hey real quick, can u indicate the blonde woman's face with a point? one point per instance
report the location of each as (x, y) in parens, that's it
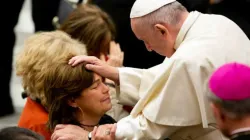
(95, 99)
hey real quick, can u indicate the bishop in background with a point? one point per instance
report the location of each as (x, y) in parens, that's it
(230, 100)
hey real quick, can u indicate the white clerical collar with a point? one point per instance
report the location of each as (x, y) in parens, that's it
(192, 17)
(240, 130)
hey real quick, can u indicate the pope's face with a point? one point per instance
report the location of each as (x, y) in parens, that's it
(154, 39)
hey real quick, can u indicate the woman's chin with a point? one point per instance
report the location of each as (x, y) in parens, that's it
(108, 107)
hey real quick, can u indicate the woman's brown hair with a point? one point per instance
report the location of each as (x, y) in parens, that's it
(91, 26)
(47, 76)
(66, 83)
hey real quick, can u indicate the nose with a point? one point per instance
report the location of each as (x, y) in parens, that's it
(105, 88)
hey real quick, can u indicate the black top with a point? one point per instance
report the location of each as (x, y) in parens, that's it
(241, 136)
(236, 11)
(106, 119)
(195, 5)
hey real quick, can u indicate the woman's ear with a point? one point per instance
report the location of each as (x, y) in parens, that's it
(72, 103)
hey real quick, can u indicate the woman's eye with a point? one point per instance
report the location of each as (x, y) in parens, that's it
(95, 86)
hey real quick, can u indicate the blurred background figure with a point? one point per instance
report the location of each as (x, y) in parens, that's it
(94, 28)
(135, 53)
(198, 5)
(17, 133)
(238, 11)
(43, 12)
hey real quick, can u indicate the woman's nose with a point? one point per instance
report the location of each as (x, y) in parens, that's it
(105, 88)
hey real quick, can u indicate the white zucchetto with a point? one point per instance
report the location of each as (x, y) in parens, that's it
(144, 7)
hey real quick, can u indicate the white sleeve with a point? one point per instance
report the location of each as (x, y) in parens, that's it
(128, 90)
(130, 84)
(140, 128)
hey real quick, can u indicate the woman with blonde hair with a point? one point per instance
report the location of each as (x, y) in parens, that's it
(57, 92)
(93, 27)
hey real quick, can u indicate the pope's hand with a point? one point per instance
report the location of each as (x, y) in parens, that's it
(96, 65)
(104, 132)
(69, 132)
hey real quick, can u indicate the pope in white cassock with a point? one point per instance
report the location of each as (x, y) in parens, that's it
(169, 99)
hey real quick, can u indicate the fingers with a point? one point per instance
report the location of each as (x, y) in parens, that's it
(73, 59)
(59, 131)
(55, 136)
(102, 57)
(114, 48)
(63, 138)
(99, 133)
(82, 58)
(118, 47)
(116, 55)
(59, 126)
(113, 130)
(117, 60)
(92, 67)
(122, 57)
(93, 133)
(78, 61)
(66, 137)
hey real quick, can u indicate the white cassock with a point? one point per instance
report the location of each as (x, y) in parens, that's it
(170, 99)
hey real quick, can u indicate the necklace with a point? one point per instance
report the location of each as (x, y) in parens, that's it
(84, 125)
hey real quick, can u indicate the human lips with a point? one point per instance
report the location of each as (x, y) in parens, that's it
(106, 99)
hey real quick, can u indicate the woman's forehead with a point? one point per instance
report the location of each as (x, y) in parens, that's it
(97, 77)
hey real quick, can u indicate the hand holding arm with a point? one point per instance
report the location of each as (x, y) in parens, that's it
(104, 132)
(69, 132)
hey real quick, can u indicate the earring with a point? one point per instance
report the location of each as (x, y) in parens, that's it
(80, 110)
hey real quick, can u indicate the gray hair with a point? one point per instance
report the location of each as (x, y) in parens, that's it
(232, 109)
(170, 14)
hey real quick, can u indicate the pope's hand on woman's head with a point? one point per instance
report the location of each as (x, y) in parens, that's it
(96, 65)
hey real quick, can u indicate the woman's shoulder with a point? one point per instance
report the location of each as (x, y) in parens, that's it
(106, 119)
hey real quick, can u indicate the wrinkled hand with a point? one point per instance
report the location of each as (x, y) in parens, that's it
(69, 132)
(104, 132)
(96, 65)
(116, 56)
